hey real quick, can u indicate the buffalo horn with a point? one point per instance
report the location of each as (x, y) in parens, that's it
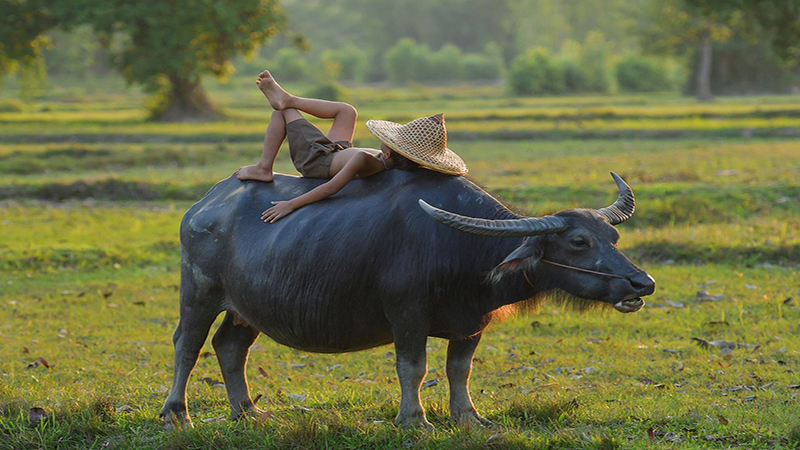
(623, 208)
(528, 226)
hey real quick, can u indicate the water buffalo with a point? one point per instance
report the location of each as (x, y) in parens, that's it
(369, 267)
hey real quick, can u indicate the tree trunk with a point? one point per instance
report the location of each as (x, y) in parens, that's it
(186, 101)
(704, 71)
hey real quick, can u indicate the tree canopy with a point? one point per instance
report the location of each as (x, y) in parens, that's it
(779, 18)
(164, 46)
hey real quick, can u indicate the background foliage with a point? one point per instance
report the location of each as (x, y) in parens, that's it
(751, 45)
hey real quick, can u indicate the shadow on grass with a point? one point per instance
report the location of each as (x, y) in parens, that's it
(537, 413)
(662, 251)
(77, 157)
(109, 189)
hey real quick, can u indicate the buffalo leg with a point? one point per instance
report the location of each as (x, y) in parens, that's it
(459, 366)
(198, 312)
(412, 365)
(232, 344)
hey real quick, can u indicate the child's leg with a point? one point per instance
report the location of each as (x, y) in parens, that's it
(344, 115)
(262, 170)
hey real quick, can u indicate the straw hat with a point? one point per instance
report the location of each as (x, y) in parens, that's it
(423, 141)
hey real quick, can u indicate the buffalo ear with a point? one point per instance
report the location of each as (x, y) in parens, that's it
(530, 248)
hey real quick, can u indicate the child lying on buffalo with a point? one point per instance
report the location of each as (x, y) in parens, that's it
(420, 143)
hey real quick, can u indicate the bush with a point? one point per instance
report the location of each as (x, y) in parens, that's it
(408, 61)
(481, 67)
(535, 73)
(328, 91)
(443, 65)
(595, 60)
(290, 65)
(352, 62)
(576, 78)
(405, 61)
(640, 74)
(10, 105)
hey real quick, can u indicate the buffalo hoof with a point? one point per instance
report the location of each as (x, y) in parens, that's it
(413, 422)
(175, 419)
(470, 419)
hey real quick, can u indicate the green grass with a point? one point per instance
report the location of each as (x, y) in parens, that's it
(89, 272)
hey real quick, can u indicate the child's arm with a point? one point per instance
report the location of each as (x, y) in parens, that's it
(334, 185)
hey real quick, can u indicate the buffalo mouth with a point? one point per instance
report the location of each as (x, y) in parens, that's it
(629, 306)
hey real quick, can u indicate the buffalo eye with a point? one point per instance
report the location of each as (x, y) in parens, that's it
(581, 243)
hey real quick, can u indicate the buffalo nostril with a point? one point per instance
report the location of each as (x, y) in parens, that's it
(644, 284)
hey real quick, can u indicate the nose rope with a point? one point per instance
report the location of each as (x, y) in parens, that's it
(580, 269)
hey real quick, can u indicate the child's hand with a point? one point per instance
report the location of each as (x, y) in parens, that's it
(274, 213)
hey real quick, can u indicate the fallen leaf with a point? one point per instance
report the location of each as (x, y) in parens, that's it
(262, 372)
(787, 301)
(45, 363)
(25, 350)
(430, 383)
(794, 386)
(258, 397)
(651, 434)
(749, 398)
(298, 397)
(206, 355)
(722, 419)
(124, 409)
(675, 304)
(265, 416)
(213, 419)
(671, 351)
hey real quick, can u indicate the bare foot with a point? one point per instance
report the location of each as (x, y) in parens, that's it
(254, 172)
(278, 98)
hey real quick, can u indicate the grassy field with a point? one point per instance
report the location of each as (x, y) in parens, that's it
(91, 196)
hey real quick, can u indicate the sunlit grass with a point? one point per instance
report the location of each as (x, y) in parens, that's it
(90, 283)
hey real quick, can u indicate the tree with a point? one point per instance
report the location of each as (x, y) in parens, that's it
(166, 46)
(21, 45)
(780, 17)
(673, 27)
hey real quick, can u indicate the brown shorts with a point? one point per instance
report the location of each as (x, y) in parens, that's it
(311, 151)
